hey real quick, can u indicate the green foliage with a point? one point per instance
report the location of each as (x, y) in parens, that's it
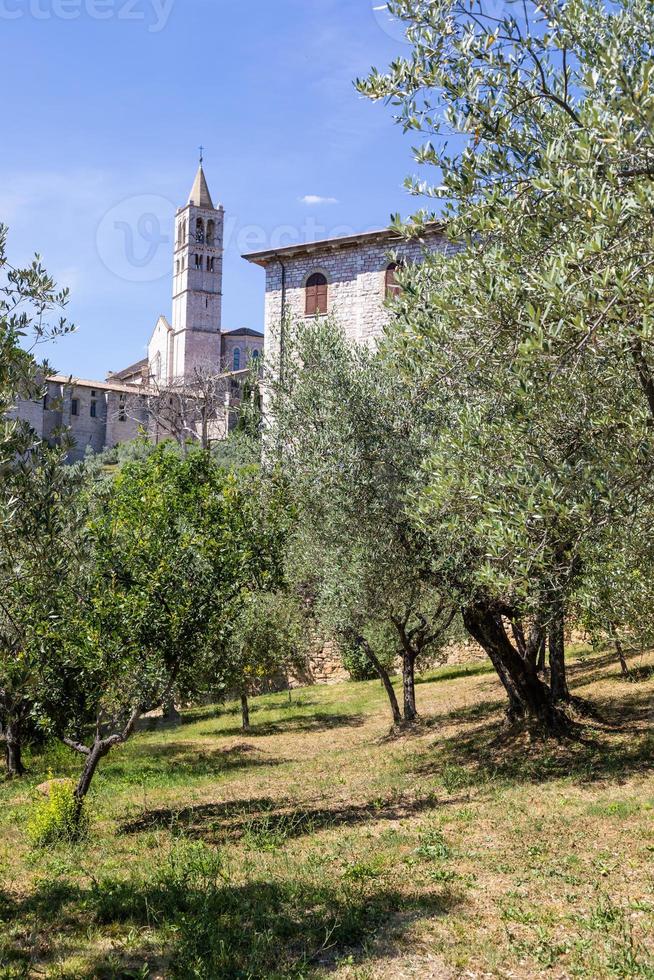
(531, 345)
(59, 819)
(352, 453)
(357, 663)
(268, 639)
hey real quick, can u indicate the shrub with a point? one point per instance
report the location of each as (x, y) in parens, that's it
(58, 819)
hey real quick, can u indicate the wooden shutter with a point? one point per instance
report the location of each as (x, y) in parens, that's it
(316, 300)
(393, 288)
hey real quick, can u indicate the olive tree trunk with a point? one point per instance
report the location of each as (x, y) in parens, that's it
(102, 746)
(558, 677)
(530, 700)
(384, 677)
(13, 748)
(409, 687)
(245, 711)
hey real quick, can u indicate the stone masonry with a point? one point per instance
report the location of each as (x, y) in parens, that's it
(355, 268)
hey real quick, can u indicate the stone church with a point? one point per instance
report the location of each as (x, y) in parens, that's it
(350, 278)
(192, 345)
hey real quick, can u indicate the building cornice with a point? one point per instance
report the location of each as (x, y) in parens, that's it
(386, 236)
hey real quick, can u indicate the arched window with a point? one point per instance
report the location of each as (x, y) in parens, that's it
(211, 231)
(177, 266)
(393, 287)
(255, 355)
(183, 231)
(198, 261)
(316, 298)
(199, 231)
(237, 359)
(211, 264)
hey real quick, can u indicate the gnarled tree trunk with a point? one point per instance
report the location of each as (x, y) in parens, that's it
(385, 679)
(101, 747)
(529, 698)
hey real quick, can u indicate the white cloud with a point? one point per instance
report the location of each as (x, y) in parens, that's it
(317, 199)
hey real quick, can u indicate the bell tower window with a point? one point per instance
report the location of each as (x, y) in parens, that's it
(211, 231)
(199, 231)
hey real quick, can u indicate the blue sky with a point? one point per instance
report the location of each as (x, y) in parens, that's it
(112, 99)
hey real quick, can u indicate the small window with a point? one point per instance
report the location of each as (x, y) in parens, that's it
(211, 231)
(316, 299)
(46, 402)
(177, 266)
(74, 406)
(198, 261)
(211, 264)
(94, 409)
(255, 355)
(237, 359)
(122, 414)
(199, 231)
(393, 287)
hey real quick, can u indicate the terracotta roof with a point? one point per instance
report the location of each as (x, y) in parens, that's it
(67, 379)
(382, 235)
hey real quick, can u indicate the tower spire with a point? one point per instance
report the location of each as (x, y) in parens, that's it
(200, 195)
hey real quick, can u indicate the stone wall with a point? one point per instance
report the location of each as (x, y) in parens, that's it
(356, 276)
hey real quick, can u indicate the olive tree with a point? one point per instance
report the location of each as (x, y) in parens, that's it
(533, 339)
(352, 445)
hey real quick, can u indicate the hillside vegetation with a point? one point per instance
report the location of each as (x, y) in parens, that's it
(316, 845)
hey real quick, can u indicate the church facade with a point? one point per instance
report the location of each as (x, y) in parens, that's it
(189, 348)
(349, 278)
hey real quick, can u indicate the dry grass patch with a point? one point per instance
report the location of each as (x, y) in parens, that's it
(314, 846)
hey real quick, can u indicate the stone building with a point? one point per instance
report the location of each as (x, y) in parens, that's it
(350, 278)
(192, 345)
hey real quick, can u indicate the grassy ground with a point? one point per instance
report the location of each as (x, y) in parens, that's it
(317, 847)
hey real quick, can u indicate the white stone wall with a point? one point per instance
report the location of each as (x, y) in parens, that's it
(160, 352)
(356, 276)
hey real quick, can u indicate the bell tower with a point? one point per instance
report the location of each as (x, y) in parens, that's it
(197, 283)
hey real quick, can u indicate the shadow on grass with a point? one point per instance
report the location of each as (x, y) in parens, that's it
(179, 759)
(491, 757)
(456, 672)
(265, 824)
(316, 722)
(214, 927)
(211, 712)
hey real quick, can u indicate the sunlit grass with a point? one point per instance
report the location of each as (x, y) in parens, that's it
(315, 845)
